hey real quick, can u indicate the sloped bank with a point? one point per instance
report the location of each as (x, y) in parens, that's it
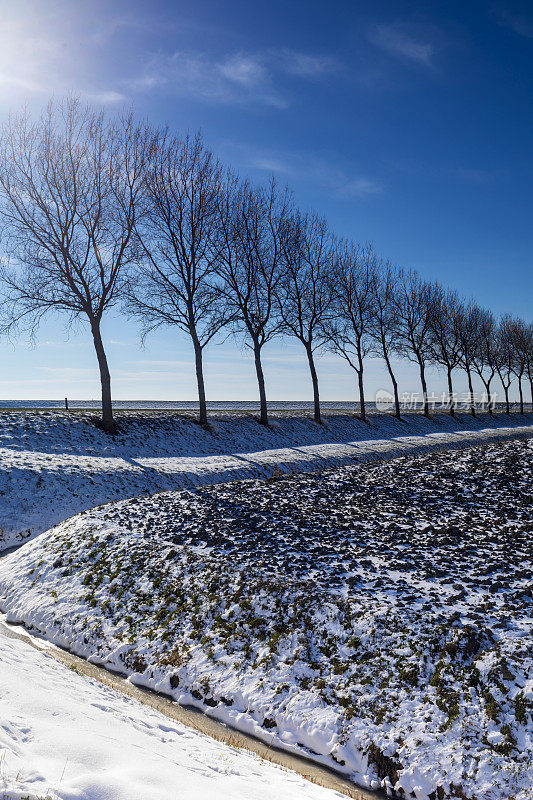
(376, 618)
(54, 465)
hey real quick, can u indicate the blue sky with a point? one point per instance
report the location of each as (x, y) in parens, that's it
(407, 124)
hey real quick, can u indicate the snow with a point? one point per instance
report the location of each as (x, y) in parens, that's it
(54, 465)
(66, 737)
(375, 617)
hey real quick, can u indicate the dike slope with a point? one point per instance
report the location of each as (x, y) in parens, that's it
(56, 464)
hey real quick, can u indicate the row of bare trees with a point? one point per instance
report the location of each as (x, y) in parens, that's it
(98, 212)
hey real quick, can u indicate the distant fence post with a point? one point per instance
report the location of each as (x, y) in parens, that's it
(66, 403)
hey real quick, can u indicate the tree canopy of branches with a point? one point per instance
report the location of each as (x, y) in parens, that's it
(505, 357)
(177, 233)
(69, 186)
(252, 220)
(383, 325)
(414, 308)
(303, 295)
(528, 341)
(519, 343)
(349, 327)
(468, 328)
(485, 353)
(445, 336)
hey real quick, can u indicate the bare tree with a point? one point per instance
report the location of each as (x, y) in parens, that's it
(445, 335)
(69, 186)
(519, 340)
(505, 357)
(468, 317)
(383, 327)
(251, 221)
(349, 328)
(177, 234)
(413, 308)
(303, 295)
(529, 359)
(484, 355)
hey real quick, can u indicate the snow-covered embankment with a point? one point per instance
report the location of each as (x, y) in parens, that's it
(54, 465)
(376, 617)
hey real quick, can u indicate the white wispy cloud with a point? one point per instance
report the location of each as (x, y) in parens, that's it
(515, 22)
(105, 97)
(54, 51)
(236, 78)
(358, 187)
(243, 70)
(38, 55)
(271, 164)
(304, 65)
(103, 28)
(338, 179)
(398, 40)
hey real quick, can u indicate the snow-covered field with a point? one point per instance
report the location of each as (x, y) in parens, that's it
(376, 617)
(54, 465)
(67, 737)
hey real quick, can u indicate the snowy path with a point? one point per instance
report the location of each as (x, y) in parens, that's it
(65, 736)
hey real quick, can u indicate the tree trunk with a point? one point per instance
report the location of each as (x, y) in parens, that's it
(397, 413)
(506, 391)
(263, 415)
(471, 391)
(521, 394)
(531, 389)
(198, 362)
(362, 406)
(314, 379)
(450, 393)
(105, 378)
(424, 387)
(490, 405)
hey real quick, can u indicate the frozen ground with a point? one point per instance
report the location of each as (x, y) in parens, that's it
(375, 617)
(65, 737)
(54, 465)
